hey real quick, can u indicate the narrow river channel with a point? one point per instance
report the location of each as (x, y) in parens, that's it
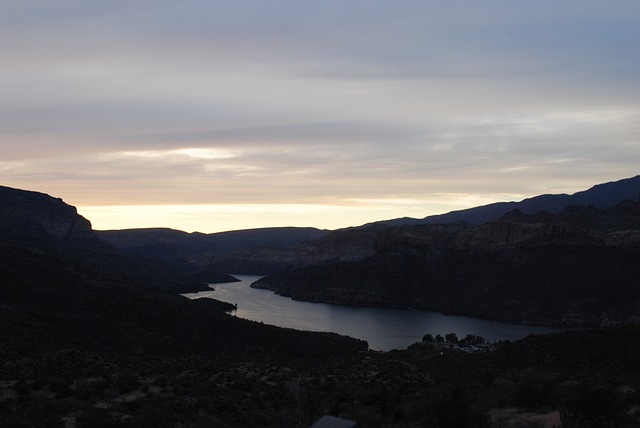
(383, 328)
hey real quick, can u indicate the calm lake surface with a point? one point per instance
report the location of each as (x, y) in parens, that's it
(383, 328)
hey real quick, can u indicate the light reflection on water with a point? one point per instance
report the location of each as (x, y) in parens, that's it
(383, 328)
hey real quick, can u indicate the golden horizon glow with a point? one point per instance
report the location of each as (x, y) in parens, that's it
(212, 218)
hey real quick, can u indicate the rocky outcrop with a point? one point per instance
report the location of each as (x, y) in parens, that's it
(39, 214)
(347, 245)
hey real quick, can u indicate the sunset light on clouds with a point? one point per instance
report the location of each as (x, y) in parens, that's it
(217, 115)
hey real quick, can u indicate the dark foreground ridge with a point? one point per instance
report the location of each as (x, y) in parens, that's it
(92, 337)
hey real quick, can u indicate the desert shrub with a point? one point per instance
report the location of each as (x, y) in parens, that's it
(38, 383)
(152, 414)
(534, 391)
(90, 389)
(67, 405)
(594, 405)
(419, 411)
(454, 406)
(366, 416)
(21, 387)
(59, 386)
(127, 381)
(97, 418)
(16, 421)
(161, 381)
(451, 338)
(131, 406)
(43, 413)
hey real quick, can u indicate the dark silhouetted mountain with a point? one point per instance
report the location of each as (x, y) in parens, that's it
(248, 252)
(243, 251)
(578, 267)
(282, 237)
(601, 196)
(63, 288)
(273, 250)
(358, 243)
(341, 245)
(36, 220)
(32, 215)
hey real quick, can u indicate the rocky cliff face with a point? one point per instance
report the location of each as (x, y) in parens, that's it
(38, 213)
(580, 267)
(350, 245)
(254, 261)
(45, 231)
(347, 245)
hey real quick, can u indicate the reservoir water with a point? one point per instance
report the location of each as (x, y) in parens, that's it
(383, 328)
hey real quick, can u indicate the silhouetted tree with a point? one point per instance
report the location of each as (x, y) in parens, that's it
(451, 338)
(472, 339)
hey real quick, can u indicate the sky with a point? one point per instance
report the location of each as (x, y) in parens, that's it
(224, 115)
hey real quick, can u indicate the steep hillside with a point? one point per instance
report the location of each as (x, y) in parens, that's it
(33, 215)
(63, 288)
(579, 267)
(337, 246)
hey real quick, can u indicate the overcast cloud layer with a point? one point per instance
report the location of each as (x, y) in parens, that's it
(234, 114)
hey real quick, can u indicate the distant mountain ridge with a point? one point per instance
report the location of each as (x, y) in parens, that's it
(357, 243)
(601, 196)
(283, 237)
(272, 250)
(178, 248)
